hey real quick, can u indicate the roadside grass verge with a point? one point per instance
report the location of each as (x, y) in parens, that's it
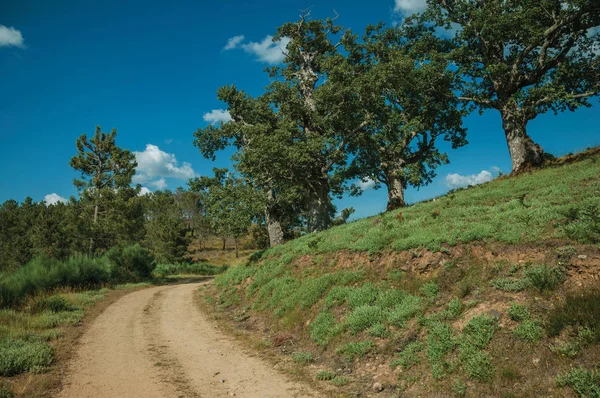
(456, 293)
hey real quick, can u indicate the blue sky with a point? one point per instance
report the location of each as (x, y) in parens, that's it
(151, 70)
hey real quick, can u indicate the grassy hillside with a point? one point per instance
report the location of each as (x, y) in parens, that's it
(487, 291)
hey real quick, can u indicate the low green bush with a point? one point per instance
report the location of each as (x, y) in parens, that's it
(409, 356)
(163, 270)
(325, 375)
(586, 383)
(529, 331)
(44, 274)
(355, 349)
(53, 303)
(518, 312)
(324, 328)
(302, 357)
(130, 263)
(18, 356)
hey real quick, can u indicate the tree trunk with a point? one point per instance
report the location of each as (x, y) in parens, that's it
(319, 218)
(224, 241)
(395, 193)
(524, 153)
(92, 242)
(235, 242)
(273, 219)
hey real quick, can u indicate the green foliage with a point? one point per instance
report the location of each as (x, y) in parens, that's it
(409, 307)
(440, 342)
(430, 290)
(5, 392)
(363, 317)
(302, 357)
(545, 278)
(325, 375)
(529, 330)
(459, 388)
(340, 381)
(379, 330)
(581, 310)
(43, 274)
(17, 356)
(476, 337)
(355, 349)
(586, 383)
(509, 284)
(163, 270)
(324, 328)
(409, 356)
(131, 263)
(518, 312)
(109, 210)
(53, 303)
(583, 224)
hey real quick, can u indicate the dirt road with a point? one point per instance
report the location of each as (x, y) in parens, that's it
(156, 343)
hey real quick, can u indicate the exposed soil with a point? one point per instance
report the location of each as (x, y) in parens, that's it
(156, 343)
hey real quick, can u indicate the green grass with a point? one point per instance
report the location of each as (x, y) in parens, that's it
(340, 381)
(324, 328)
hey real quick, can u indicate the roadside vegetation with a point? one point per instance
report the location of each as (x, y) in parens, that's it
(483, 290)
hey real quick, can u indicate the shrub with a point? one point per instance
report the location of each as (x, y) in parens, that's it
(544, 277)
(529, 330)
(340, 381)
(53, 303)
(440, 341)
(379, 330)
(355, 349)
(518, 312)
(162, 270)
(510, 284)
(302, 357)
(409, 356)
(43, 274)
(130, 263)
(363, 317)
(430, 290)
(324, 328)
(18, 356)
(325, 375)
(402, 312)
(586, 383)
(578, 310)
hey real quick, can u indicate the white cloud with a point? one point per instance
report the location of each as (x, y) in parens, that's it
(144, 191)
(217, 115)
(366, 184)
(154, 163)
(409, 7)
(268, 51)
(233, 42)
(10, 37)
(459, 181)
(158, 184)
(53, 198)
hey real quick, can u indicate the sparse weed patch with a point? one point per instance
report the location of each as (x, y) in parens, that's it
(581, 310)
(340, 381)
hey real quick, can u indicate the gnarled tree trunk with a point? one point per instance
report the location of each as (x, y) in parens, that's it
(524, 153)
(273, 219)
(319, 207)
(395, 193)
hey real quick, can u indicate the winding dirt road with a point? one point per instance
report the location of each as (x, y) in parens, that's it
(156, 343)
